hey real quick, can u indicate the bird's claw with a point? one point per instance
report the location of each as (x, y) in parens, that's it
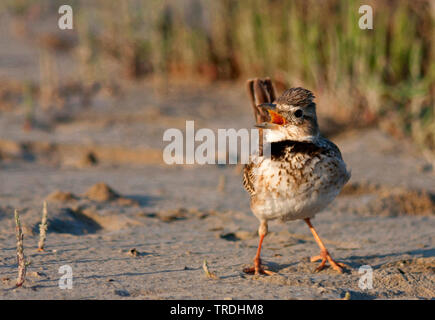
(325, 256)
(258, 269)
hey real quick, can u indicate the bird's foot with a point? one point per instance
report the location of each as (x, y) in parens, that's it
(258, 269)
(325, 256)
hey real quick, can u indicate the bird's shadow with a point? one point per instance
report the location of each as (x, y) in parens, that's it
(355, 262)
(277, 267)
(351, 262)
(425, 253)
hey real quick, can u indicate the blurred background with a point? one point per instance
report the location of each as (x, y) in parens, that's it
(383, 77)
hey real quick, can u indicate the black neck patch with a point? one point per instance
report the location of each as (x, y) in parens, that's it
(279, 149)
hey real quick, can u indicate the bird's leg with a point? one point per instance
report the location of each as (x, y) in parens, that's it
(324, 254)
(258, 268)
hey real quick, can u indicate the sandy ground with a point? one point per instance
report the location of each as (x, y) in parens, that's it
(177, 216)
(149, 239)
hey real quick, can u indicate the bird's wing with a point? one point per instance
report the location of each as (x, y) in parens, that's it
(248, 178)
(331, 146)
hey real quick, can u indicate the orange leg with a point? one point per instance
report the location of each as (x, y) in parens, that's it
(324, 254)
(257, 268)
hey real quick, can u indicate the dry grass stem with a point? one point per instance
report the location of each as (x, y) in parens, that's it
(20, 251)
(43, 228)
(208, 273)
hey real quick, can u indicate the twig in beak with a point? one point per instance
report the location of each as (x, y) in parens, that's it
(267, 125)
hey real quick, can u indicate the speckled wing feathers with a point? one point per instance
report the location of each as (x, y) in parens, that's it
(248, 178)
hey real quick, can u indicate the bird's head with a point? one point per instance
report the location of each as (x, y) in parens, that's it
(291, 117)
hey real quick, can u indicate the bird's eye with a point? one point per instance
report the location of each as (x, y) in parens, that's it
(298, 113)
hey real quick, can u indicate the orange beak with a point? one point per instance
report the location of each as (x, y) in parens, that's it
(276, 118)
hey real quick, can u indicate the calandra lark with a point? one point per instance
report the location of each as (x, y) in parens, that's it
(304, 172)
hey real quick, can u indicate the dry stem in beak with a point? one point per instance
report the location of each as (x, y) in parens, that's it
(267, 106)
(267, 125)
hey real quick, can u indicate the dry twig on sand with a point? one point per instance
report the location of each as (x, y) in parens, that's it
(43, 228)
(20, 251)
(210, 275)
(346, 296)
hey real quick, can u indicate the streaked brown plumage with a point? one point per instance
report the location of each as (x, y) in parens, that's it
(303, 174)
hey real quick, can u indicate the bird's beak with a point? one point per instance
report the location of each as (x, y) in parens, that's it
(275, 119)
(267, 125)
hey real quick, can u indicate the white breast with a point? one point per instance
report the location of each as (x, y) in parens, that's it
(294, 190)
